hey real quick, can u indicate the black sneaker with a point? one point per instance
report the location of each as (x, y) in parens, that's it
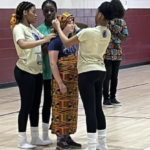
(115, 102)
(73, 144)
(107, 103)
(62, 145)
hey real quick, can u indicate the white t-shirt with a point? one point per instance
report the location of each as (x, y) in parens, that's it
(92, 47)
(30, 60)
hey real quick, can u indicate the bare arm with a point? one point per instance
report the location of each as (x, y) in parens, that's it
(53, 55)
(31, 44)
(67, 42)
(26, 44)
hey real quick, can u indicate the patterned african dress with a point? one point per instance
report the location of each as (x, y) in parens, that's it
(65, 106)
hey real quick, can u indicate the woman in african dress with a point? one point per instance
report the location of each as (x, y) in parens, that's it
(63, 62)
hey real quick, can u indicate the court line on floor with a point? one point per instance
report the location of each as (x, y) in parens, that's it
(133, 86)
(84, 115)
(123, 117)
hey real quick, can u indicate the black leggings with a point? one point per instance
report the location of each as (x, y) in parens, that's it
(112, 69)
(47, 101)
(90, 86)
(30, 88)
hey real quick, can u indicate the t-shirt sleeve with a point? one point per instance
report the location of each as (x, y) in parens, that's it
(83, 35)
(55, 45)
(124, 28)
(18, 34)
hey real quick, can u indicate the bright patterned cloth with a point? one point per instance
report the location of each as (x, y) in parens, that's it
(65, 106)
(114, 50)
(64, 19)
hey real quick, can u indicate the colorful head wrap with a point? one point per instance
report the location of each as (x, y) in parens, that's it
(64, 19)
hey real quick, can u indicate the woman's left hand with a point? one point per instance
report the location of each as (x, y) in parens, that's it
(56, 24)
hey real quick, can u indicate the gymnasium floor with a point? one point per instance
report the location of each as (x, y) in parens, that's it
(128, 126)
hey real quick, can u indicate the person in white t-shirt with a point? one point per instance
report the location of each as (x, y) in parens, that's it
(28, 71)
(93, 43)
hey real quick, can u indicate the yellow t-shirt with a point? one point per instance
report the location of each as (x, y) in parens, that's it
(92, 47)
(30, 60)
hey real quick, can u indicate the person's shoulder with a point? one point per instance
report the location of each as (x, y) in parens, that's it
(41, 26)
(88, 29)
(56, 41)
(55, 44)
(19, 25)
(18, 28)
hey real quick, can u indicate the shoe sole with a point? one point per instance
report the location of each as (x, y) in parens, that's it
(74, 147)
(59, 148)
(117, 104)
(108, 106)
(26, 148)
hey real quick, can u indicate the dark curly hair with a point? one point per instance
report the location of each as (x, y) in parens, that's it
(112, 10)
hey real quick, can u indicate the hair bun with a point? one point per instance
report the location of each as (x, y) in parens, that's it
(13, 15)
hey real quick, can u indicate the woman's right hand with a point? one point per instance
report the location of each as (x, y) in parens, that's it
(49, 37)
(63, 88)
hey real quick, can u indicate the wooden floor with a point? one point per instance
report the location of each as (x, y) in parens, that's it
(128, 127)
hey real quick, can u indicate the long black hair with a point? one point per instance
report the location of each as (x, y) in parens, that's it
(112, 10)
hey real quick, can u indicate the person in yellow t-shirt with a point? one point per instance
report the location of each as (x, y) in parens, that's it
(93, 43)
(28, 70)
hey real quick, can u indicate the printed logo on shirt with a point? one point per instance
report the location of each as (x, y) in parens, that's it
(36, 37)
(104, 34)
(38, 50)
(69, 50)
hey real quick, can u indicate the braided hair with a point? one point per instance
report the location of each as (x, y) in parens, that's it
(18, 15)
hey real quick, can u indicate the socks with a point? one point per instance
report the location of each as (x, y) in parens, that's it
(59, 137)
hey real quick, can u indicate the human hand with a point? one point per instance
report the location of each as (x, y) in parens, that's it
(63, 88)
(49, 37)
(56, 24)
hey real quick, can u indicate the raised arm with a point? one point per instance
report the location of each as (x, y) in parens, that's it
(31, 44)
(67, 42)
